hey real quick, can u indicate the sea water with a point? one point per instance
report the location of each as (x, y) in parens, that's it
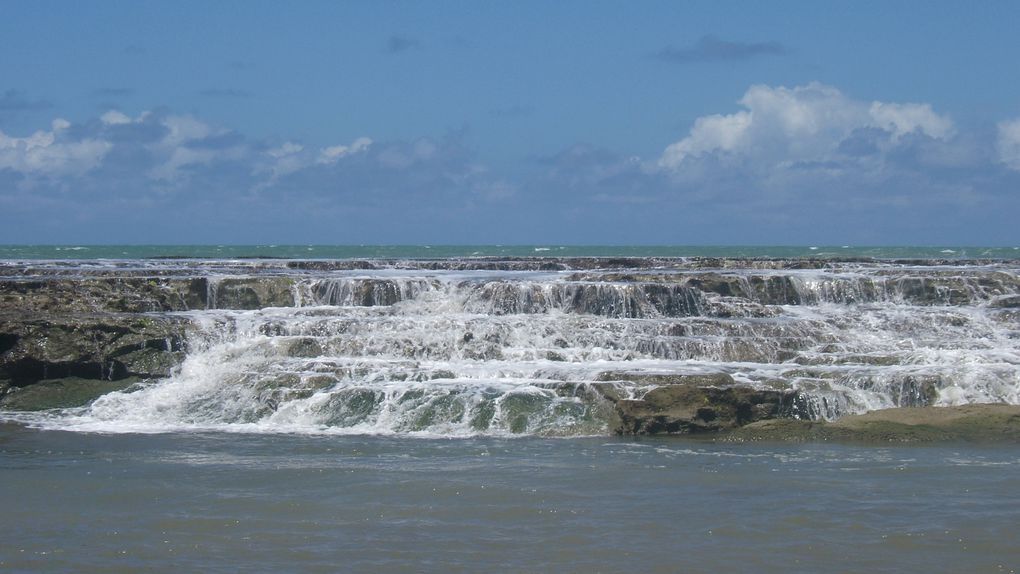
(213, 502)
(86, 252)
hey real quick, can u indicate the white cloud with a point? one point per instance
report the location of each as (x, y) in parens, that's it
(286, 150)
(291, 157)
(803, 123)
(331, 154)
(902, 119)
(49, 153)
(1007, 144)
(403, 157)
(183, 129)
(709, 134)
(176, 150)
(115, 118)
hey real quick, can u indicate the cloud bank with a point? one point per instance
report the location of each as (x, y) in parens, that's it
(794, 164)
(805, 123)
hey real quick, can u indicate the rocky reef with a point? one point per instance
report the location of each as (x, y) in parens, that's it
(744, 349)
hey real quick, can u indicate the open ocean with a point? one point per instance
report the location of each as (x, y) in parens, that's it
(442, 251)
(442, 409)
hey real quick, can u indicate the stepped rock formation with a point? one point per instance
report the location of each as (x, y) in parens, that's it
(504, 346)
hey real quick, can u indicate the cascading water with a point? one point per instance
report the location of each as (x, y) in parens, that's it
(450, 348)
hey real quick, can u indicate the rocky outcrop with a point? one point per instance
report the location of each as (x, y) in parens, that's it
(250, 293)
(70, 331)
(117, 294)
(692, 404)
(64, 295)
(95, 347)
(65, 340)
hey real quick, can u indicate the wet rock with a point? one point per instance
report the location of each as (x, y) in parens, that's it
(252, 293)
(304, 347)
(103, 294)
(67, 392)
(698, 403)
(985, 423)
(682, 409)
(97, 347)
(1008, 302)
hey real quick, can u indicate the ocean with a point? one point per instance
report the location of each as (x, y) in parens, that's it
(436, 408)
(88, 252)
(214, 502)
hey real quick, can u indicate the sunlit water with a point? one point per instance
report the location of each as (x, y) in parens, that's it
(218, 502)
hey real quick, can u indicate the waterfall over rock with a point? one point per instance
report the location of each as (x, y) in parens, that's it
(546, 346)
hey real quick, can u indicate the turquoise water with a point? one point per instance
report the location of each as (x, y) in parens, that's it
(444, 251)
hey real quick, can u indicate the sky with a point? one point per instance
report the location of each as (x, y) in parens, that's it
(573, 122)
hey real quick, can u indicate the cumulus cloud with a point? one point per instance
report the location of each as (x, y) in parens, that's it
(713, 49)
(51, 153)
(167, 150)
(115, 118)
(789, 159)
(332, 154)
(804, 123)
(767, 172)
(180, 148)
(1007, 143)
(164, 176)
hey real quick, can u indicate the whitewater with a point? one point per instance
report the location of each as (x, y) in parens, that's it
(510, 346)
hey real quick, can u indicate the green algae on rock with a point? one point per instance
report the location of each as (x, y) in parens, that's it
(994, 423)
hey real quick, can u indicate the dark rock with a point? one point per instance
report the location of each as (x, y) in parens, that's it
(689, 404)
(67, 392)
(103, 294)
(77, 347)
(252, 293)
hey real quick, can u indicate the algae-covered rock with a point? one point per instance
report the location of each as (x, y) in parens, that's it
(687, 404)
(252, 293)
(967, 423)
(53, 360)
(103, 294)
(61, 393)
(95, 346)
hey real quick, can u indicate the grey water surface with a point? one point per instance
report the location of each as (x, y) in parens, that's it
(235, 502)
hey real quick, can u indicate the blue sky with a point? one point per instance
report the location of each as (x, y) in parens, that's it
(515, 122)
